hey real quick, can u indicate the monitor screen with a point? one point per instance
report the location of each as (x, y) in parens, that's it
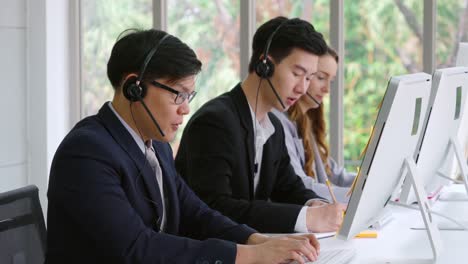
(394, 138)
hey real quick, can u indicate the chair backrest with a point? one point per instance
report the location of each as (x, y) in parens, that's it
(22, 227)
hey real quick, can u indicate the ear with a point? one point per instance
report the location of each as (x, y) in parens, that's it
(262, 56)
(126, 77)
(271, 59)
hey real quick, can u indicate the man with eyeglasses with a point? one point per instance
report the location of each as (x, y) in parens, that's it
(114, 194)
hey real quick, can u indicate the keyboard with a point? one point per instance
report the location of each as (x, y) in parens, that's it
(333, 256)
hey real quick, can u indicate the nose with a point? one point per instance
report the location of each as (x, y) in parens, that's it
(184, 108)
(326, 87)
(302, 86)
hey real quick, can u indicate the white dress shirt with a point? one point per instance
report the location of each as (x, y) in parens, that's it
(262, 131)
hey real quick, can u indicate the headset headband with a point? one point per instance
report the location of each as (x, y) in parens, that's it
(148, 59)
(270, 39)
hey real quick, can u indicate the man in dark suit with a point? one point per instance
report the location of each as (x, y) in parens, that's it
(232, 151)
(114, 194)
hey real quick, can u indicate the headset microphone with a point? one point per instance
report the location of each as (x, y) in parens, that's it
(135, 91)
(152, 118)
(313, 99)
(276, 93)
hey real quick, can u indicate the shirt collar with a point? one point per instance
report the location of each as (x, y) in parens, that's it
(132, 132)
(265, 128)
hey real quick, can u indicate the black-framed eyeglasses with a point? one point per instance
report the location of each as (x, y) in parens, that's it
(180, 96)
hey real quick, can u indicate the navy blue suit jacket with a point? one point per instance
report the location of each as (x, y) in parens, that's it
(104, 204)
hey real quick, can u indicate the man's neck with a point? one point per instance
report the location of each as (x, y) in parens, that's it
(122, 107)
(261, 106)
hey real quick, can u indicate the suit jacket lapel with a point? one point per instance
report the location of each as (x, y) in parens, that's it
(170, 194)
(245, 117)
(126, 141)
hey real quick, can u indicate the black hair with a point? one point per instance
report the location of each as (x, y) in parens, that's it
(295, 33)
(173, 59)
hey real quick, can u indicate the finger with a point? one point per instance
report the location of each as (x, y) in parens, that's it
(313, 241)
(310, 252)
(306, 248)
(297, 257)
(311, 256)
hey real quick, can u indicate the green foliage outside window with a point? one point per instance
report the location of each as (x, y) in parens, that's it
(382, 39)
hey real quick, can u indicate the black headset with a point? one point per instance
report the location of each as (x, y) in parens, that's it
(135, 91)
(265, 67)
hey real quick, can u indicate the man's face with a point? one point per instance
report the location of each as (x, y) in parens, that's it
(292, 77)
(320, 84)
(164, 107)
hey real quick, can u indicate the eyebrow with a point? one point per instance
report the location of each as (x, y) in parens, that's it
(304, 70)
(185, 89)
(326, 73)
(297, 66)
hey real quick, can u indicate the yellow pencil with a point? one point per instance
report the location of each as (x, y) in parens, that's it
(367, 234)
(331, 191)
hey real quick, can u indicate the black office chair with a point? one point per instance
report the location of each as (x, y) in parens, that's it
(22, 228)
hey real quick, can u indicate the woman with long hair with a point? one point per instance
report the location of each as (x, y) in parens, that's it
(305, 135)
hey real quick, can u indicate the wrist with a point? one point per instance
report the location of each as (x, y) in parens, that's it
(256, 238)
(309, 217)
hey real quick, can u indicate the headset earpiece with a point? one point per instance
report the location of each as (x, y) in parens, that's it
(265, 68)
(132, 91)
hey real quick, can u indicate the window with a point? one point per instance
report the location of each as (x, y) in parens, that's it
(452, 28)
(211, 28)
(101, 23)
(382, 40)
(316, 12)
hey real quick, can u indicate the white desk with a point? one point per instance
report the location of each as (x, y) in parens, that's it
(397, 243)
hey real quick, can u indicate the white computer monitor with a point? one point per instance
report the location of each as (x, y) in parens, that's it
(462, 60)
(394, 139)
(462, 55)
(434, 155)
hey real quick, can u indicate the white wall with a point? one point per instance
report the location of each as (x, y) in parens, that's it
(13, 150)
(35, 70)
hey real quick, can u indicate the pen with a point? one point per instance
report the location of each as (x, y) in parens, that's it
(331, 191)
(354, 182)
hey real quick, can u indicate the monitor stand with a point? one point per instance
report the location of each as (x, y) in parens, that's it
(433, 232)
(462, 165)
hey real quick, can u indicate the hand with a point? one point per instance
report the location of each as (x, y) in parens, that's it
(280, 249)
(322, 217)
